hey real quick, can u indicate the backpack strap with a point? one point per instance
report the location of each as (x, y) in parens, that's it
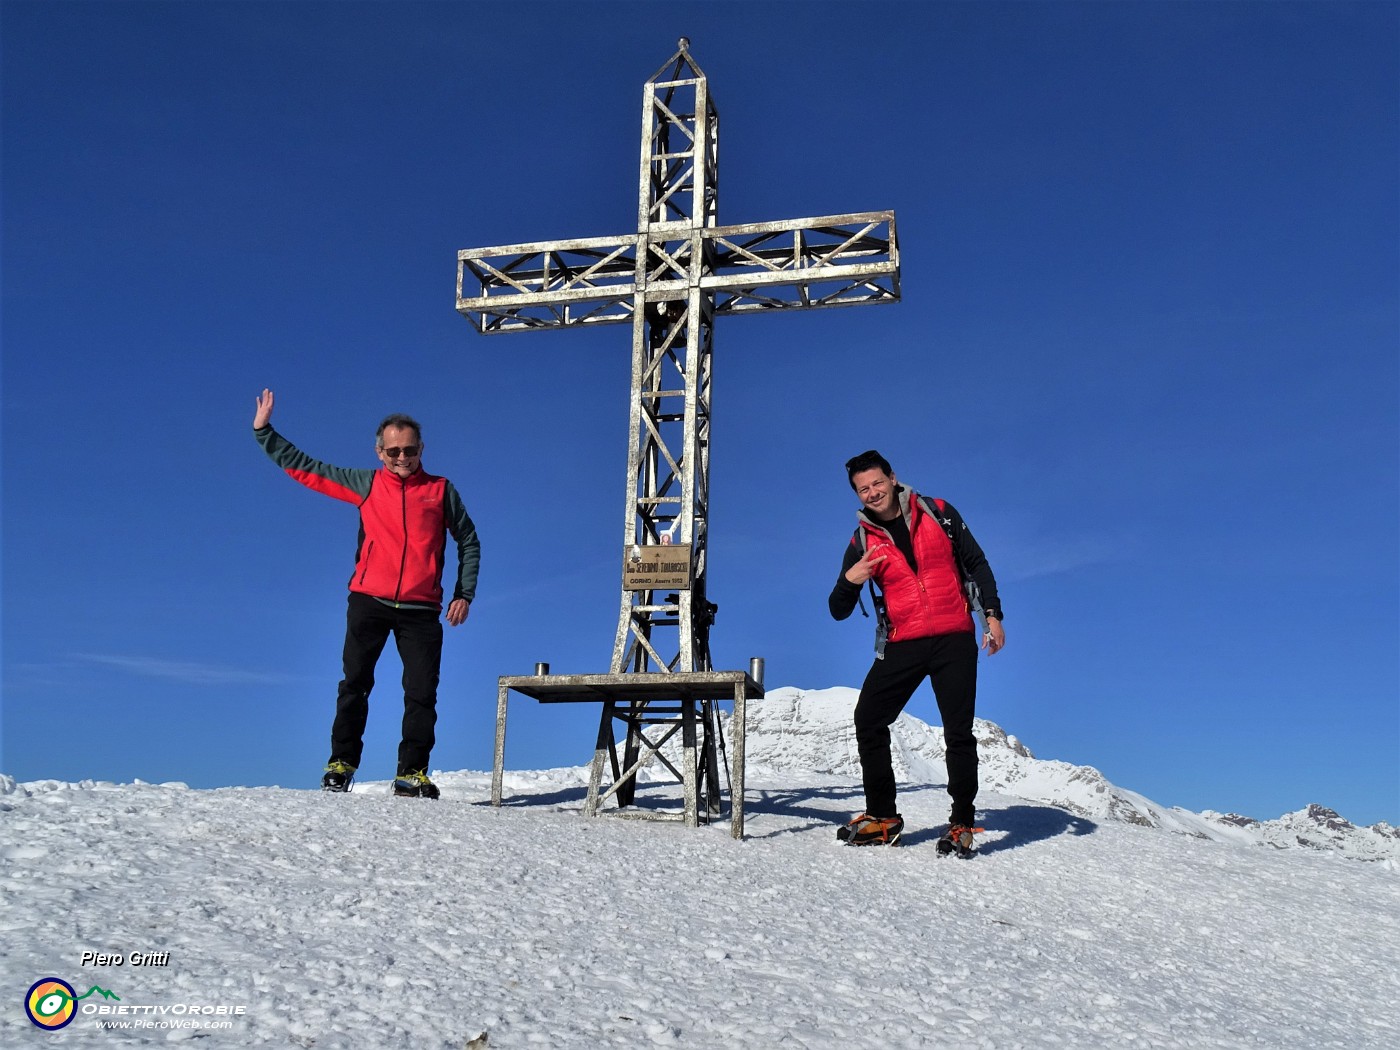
(935, 510)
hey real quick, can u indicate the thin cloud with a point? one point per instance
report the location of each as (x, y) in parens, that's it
(1052, 559)
(187, 671)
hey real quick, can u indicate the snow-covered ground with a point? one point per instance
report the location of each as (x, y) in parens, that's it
(362, 920)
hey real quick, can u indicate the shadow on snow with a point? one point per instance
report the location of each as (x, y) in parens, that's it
(810, 809)
(1025, 824)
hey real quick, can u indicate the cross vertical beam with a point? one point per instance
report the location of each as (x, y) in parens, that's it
(668, 476)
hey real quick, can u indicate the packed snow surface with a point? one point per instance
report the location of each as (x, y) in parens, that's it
(363, 920)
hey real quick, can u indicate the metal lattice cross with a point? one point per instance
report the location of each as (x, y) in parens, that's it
(671, 279)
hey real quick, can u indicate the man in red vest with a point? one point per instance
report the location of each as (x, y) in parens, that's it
(396, 588)
(931, 574)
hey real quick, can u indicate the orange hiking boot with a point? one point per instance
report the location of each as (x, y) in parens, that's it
(866, 830)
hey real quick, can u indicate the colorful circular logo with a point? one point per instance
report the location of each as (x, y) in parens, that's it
(50, 1004)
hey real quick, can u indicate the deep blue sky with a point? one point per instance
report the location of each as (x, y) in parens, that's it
(1148, 347)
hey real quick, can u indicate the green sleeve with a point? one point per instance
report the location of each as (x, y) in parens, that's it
(459, 524)
(344, 483)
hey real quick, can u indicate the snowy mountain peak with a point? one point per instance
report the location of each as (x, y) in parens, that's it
(1317, 827)
(809, 731)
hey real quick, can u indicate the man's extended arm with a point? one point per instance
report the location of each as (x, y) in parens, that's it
(342, 483)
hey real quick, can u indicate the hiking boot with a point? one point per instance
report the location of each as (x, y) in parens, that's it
(339, 776)
(866, 830)
(958, 839)
(415, 785)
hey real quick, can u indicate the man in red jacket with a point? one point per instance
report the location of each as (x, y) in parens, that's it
(921, 555)
(405, 516)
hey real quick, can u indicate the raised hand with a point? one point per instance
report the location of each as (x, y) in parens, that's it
(263, 416)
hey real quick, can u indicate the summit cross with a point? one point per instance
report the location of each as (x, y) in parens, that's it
(671, 279)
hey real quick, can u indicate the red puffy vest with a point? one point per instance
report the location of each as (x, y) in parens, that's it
(930, 601)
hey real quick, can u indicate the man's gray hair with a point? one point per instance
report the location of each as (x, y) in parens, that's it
(398, 419)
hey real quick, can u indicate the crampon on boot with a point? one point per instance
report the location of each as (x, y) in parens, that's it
(866, 830)
(958, 839)
(338, 777)
(415, 785)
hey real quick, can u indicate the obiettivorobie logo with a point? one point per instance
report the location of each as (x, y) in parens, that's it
(52, 1003)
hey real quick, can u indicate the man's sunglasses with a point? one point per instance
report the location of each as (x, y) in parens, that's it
(408, 451)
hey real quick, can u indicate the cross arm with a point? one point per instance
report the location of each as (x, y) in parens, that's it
(549, 284)
(831, 260)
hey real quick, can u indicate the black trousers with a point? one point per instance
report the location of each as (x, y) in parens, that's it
(950, 662)
(418, 636)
